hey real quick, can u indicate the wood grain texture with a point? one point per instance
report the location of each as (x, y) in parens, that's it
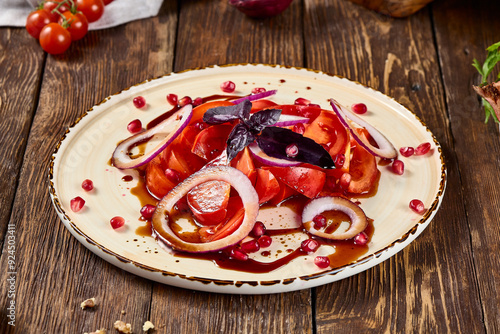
(430, 286)
(394, 8)
(21, 67)
(239, 39)
(55, 272)
(477, 148)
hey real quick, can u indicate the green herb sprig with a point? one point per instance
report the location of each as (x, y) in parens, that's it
(485, 70)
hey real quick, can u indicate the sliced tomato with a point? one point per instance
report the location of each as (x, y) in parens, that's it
(156, 181)
(267, 186)
(210, 142)
(283, 193)
(363, 170)
(188, 136)
(208, 202)
(306, 181)
(327, 130)
(262, 104)
(179, 158)
(200, 110)
(243, 162)
(236, 212)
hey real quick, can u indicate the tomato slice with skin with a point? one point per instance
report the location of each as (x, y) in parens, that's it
(157, 182)
(327, 129)
(243, 162)
(236, 212)
(363, 170)
(310, 112)
(262, 104)
(210, 142)
(306, 181)
(267, 186)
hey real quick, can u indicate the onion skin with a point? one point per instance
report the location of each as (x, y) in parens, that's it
(240, 182)
(255, 97)
(322, 204)
(261, 8)
(120, 158)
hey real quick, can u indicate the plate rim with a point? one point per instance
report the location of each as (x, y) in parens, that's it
(377, 256)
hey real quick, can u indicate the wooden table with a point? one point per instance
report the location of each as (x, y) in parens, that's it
(447, 280)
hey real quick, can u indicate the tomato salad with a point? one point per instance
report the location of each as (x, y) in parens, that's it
(218, 163)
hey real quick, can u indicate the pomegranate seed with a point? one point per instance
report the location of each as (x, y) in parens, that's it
(228, 86)
(361, 239)
(77, 204)
(398, 167)
(147, 211)
(309, 245)
(423, 148)
(299, 128)
(339, 160)
(417, 206)
(172, 99)
(292, 150)
(302, 102)
(345, 180)
(407, 151)
(139, 101)
(265, 241)
(322, 261)
(319, 221)
(197, 102)
(259, 229)
(135, 126)
(117, 222)
(258, 90)
(359, 108)
(173, 175)
(238, 254)
(185, 101)
(87, 185)
(251, 246)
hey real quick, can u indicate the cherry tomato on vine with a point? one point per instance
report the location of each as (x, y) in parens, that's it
(55, 39)
(36, 21)
(77, 24)
(92, 9)
(49, 6)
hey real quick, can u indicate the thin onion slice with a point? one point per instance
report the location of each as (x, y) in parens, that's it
(240, 182)
(288, 120)
(262, 157)
(257, 96)
(322, 204)
(171, 128)
(385, 148)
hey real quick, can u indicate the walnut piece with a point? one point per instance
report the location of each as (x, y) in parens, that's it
(88, 303)
(99, 331)
(147, 326)
(122, 327)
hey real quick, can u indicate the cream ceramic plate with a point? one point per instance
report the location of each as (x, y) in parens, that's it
(85, 150)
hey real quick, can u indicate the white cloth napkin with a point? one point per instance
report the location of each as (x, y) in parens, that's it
(14, 12)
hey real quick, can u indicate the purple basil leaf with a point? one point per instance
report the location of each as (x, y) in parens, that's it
(238, 139)
(262, 119)
(219, 115)
(274, 141)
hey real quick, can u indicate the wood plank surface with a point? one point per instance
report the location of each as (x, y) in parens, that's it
(430, 286)
(21, 68)
(277, 41)
(475, 27)
(55, 272)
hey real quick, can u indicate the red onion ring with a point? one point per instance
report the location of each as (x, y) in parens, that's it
(257, 96)
(287, 120)
(172, 126)
(385, 149)
(240, 182)
(260, 156)
(322, 204)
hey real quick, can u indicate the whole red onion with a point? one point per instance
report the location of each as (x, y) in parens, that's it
(261, 8)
